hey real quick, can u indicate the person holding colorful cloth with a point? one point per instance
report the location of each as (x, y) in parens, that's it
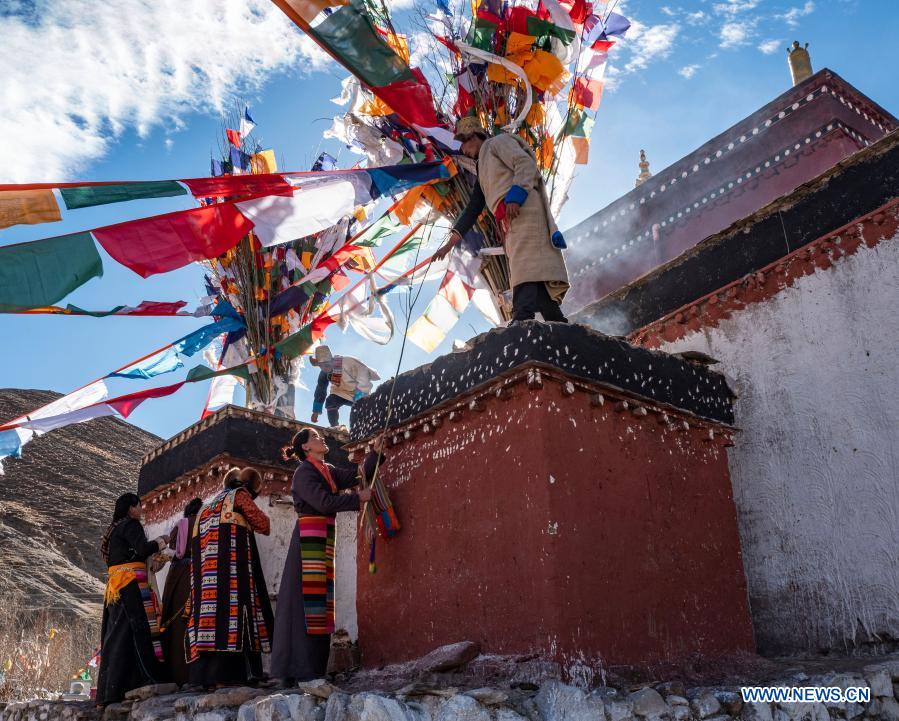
(230, 616)
(304, 620)
(511, 186)
(131, 654)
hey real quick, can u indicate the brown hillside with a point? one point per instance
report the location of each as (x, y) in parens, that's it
(56, 501)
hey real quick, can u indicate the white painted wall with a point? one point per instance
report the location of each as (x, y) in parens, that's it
(816, 468)
(273, 551)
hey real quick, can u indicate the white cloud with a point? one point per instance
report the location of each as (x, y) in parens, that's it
(737, 33)
(792, 15)
(76, 75)
(169, 144)
(667, 11)
(769, 47)
(688, 71)
(646, 43)
(732, 8)
(697, 18)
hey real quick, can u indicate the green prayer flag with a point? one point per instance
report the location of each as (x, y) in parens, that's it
(481, 34)
(544, 28)
(348, 33)
(203, 372)
(385, 226)
(42, 272)
(87, 196)
(578, 124)
(94, 313)
(296, 344)
(399, 260)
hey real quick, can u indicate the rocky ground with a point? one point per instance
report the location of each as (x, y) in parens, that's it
(443, 687)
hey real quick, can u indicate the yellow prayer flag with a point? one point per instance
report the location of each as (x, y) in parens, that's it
(498, 74)
(425, 334)
(519, 43)
(364, 260)
(264, 162)
(28, 207)
(404, 209)
(373, 106)
(546, 72)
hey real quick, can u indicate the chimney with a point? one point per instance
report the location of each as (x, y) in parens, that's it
(800, 63)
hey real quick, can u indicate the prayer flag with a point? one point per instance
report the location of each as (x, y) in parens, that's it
(325, 161)
(235, 186)
(146, 307)
(169, 359)
(411, 98)
(382, 228)
(87, 196)
(586, 93)
(167, 242)
(239, 159)
(581, 150)
(263, 162)
(233, 137)
(309, 9)
(349, 34)
(280, 219)
(28, 207)
(425, 334)
(39, 273)
(246, 122)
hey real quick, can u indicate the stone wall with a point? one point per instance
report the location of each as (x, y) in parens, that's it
(525, 696)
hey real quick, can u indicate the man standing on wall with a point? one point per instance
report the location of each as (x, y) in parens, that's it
(350, 380)
(511, 186)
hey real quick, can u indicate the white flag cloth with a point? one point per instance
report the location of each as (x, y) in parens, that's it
(279, 219)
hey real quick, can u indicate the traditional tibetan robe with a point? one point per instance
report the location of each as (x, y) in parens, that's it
(230, 616)
(304, 620)
(131, 653)
(507, 172)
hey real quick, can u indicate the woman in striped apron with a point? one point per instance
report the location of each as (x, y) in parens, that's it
(304, 617)
(131, 653)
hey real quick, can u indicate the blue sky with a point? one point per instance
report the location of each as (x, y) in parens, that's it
(136, 92)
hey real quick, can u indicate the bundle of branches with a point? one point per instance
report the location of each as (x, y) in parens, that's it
(251, 276)
(532, 67)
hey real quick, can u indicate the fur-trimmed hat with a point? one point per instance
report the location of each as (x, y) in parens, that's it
(468, 126)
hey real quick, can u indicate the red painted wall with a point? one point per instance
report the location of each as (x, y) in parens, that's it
(544, 524)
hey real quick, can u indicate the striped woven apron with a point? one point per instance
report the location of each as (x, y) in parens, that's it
(317, 557)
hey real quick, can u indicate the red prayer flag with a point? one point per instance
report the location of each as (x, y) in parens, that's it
(580, 11)
(234, 186)
(150, 307)
(586, 93)
(339, 280)
(124, 405)
(233, 137)
(411, 100)
(170, 241)
(517, 19)
(602, 46)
